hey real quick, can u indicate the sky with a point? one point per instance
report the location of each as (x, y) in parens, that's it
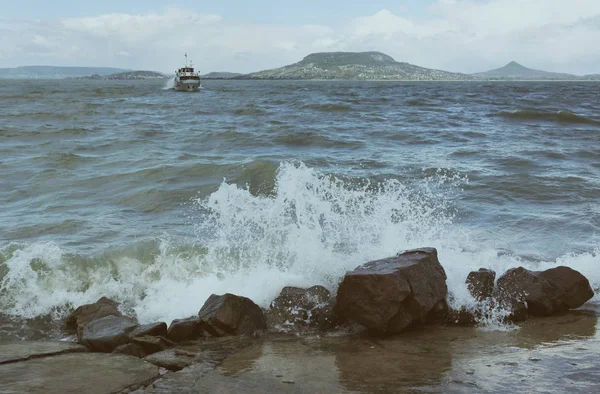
(245, 36)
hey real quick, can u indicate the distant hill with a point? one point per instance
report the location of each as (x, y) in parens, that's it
(220, 75)
(514, 70)
(591, 77)
(355, 66)
(128, 75)
(56, 72)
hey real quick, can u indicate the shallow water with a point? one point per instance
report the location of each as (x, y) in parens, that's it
(557, 354)
(158, 199)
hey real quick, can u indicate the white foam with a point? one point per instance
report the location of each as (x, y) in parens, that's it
(169, 84)
(311, 230)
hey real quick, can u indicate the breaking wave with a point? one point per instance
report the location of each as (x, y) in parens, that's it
(310, 229)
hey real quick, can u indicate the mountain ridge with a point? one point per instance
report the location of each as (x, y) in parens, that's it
(514, 70)
(56, 72)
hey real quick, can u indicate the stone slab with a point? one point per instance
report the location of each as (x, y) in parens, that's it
(90, 373)
(20, 351)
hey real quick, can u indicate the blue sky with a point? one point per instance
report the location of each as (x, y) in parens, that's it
(245, 36)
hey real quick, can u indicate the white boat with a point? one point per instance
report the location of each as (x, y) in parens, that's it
(186, 79)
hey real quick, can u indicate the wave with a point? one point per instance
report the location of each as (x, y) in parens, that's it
(308, 138)
(328, 107)
(311, 229)
(558, 116)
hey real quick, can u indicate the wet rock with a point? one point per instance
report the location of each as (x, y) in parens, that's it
(185, 329)
(90, 373)
(172, 359)
(391, 294)
(152, 344)
(153, 329)
(481, 283)
(542, 293)
(81, 316)
(131, 349)
(229, 314)
(21, 351)
(462, 316)
(298, 307)
(325, 317)
(105, 334)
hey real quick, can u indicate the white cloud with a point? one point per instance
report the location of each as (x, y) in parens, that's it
(459, 35)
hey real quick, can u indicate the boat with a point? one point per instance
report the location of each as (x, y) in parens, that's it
(186, 79)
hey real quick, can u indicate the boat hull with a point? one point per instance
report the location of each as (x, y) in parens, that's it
(186, 86)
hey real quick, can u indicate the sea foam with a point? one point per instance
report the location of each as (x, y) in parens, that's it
(309, 230)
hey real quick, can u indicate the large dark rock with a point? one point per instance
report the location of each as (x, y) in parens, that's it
(105, 334)
(542, 293)
(296, 307)
(185, 329)
(81, 316)
(391, 294)
(153, 329)
(481, 283)
(229, 314)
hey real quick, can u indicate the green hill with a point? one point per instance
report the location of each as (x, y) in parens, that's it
(220, 75)
(128, 75)
(355, 66)
(514, 70)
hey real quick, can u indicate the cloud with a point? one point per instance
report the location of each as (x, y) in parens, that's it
(457, 35)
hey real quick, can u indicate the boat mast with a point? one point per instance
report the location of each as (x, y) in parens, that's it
(186, 59)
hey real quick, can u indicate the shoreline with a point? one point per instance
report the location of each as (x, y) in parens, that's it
(557, 352)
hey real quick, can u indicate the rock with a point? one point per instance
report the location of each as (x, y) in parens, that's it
(172, 359)
(542, 293)
(105, 334)
(575, 289)
(229, 314)
(89, 312)
(153, 329)
(21, 351)
(297, 307)
(90, 373)
(131, 349)
(185, 329)
(481, 283)
(391, 294)
(152, 344)
(325, 316)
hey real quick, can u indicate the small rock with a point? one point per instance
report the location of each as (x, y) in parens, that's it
(153, 329)
(299, 308)
(81, 316)
(481, 283)
(105, 334)
(232, 315)
(152, 344)
(130, 349)
(185, 329)
(172, 359)
(543, 293)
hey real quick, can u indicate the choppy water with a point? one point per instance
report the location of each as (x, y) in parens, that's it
(158, 198)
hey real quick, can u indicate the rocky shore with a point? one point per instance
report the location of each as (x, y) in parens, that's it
(389, 326)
